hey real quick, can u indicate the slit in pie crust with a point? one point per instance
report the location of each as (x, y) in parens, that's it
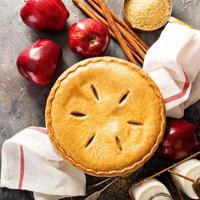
(105, 116)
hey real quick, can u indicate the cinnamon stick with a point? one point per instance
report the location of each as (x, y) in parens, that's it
(132, 35)
(96, 16)
(131, 40)
(117, 33)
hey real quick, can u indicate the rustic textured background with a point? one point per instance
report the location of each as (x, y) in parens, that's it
(22, 104)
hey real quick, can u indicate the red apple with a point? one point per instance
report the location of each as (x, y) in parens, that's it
(45, 15)
(89, 37)
(180, 139)
(39, 62)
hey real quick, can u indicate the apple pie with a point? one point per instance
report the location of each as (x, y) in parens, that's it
(105, 116)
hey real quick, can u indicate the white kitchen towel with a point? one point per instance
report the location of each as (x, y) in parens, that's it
(30, 163)
(173, 62)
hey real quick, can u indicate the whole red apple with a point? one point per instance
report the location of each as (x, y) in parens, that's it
(39, 62)
(88, 37)
(180, 139)
(45, 15)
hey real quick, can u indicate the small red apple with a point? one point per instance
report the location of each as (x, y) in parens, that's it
(45, 15)
(89, 37)
(180, 139)
(39, 62)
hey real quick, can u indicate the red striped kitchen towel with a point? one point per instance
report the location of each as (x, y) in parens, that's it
(173, 62)
(30, 163)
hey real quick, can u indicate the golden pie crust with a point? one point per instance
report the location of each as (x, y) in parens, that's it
(105, 116)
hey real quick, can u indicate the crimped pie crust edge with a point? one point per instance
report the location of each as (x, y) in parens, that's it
(111, 173)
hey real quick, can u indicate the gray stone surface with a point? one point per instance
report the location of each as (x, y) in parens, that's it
(22, 104)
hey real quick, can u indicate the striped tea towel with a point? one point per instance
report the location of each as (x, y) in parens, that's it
(173, 62)
(30, 163)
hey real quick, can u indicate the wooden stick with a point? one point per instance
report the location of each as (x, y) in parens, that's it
(94, 15)
(117, 33)
(168, 168)
(182, 176)
(135, 37)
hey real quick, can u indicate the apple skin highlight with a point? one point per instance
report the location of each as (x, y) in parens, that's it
(88, 38)
(45, 15)
(180, 139)
(39, 62)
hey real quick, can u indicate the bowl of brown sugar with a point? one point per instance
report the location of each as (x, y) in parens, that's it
(147, 15)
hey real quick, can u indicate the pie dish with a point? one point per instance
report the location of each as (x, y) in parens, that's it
(105, 116)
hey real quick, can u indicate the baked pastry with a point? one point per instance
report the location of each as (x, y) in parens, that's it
(105, 116)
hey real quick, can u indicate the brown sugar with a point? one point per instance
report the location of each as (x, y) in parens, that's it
(147, 14)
